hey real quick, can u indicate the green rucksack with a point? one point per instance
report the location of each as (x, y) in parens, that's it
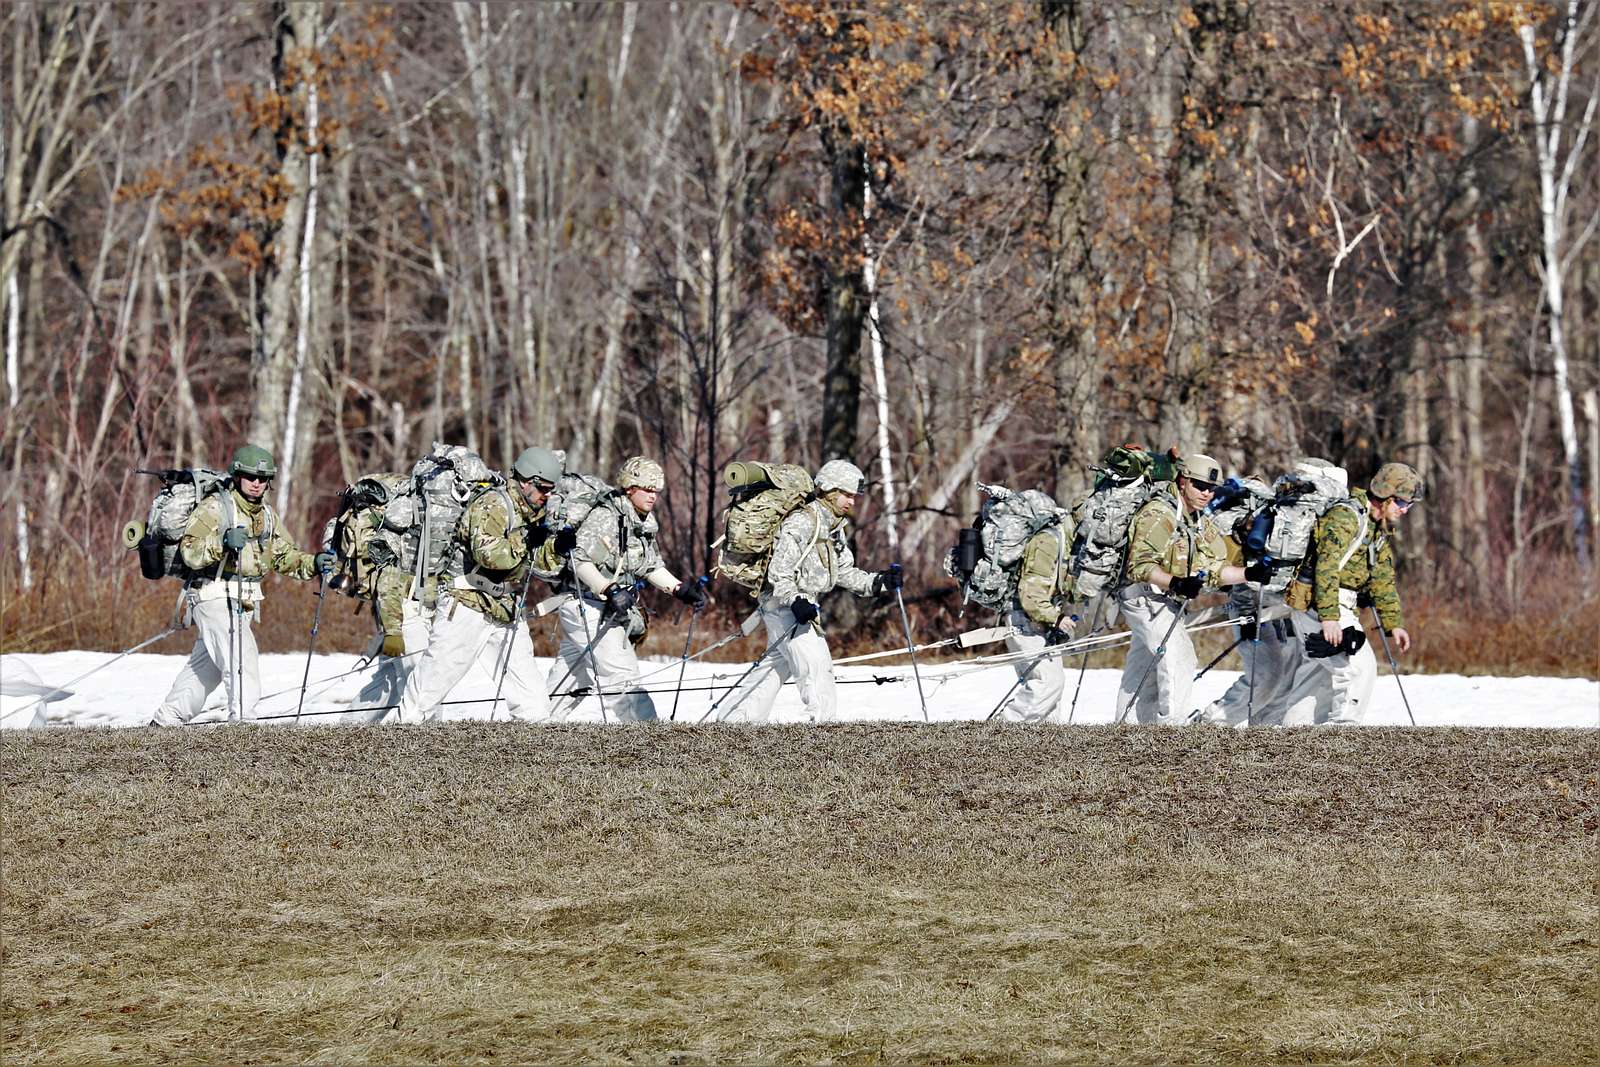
(763, 495)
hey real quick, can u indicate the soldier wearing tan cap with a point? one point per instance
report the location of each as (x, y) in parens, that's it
(1175, 552)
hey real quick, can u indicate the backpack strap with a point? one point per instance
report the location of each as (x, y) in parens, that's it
(1363, 524)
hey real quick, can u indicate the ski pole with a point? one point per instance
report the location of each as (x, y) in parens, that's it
(1083, 663)
(1021, 675)
(316, 621)
(586, 652)
(683, 664)
(169, 631)
(1394, 668)
(1255, 657)
(1161, 650)
(748, 671)
(896, 578)
(1237, 641)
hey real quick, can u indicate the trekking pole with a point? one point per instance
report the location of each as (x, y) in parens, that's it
(511, 639)
(1021, 677)
(1237, 641)
(683, 663)
(1394, 668)
(896, 580)
(169, 631)
(747, 672)
(1083, 664)
(316, 621)
(1255, 657)
(588, 651)
(1161, 650)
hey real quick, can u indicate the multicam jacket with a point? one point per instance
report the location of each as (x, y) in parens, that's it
(810, 557)
(267, 547)
(1162, 534)
(1370, 568)
(618, 541)
(1045, 576)
(499, 533)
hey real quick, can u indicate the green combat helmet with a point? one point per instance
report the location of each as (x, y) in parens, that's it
(1397, 481)
(538, 463)
(254, 461)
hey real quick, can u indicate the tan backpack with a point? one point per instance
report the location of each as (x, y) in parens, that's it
(763, 495)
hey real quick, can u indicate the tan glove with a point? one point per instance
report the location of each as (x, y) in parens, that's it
(394, 645)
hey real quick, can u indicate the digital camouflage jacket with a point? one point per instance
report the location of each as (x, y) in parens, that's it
(619, 541)
(1161, 534)
(1370, 569)
(810, 557)
(268, 548)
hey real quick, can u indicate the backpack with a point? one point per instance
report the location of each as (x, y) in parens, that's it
(370, 532)
(1004, 525)
(443, 484)
(1126, 479)
(157, 538)
(1299, 500)
(762, 496)
(567, 505)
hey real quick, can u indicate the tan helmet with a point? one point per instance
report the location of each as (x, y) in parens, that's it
(1397, 481)
(640, 472)
(1197, 466)
(839, 474)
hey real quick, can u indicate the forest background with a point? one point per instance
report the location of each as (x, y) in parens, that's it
(957, 241)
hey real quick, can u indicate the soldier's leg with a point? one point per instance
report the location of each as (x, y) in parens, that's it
(247, 677)
(1316, 692)
(383, 689)
(1272, 660)
(1147, 617)
(523, 688)
(578, 622)
(811, 667)
(1353, 678)
(199, 674)
(1042, 680)
(458, 633)
(752, 701)
(1173, 679)
(618, 666)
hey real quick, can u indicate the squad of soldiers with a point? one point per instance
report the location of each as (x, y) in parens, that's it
(1303, 649)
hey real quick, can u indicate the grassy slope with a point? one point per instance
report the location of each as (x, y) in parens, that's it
(852, 893)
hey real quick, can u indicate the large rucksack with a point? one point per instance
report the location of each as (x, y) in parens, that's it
(1300, 499)
(763, 495)
(1125, 480)
(566, 506)
(157, 538)
(443, 484)
(1004, 525)
(370, 532)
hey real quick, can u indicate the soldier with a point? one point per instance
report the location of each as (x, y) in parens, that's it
(404, 622)
(1351, 557)
(233, 539)
(615, 550)
(810, 558)
(1175, 552)
(500, 536)
(1040, 620)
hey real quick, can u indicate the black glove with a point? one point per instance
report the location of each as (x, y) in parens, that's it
(1186, 588)
(803, 609)
(619, 598)
(1247, 631)
(1258, 572)
(537, 534)
(691, 593)
(1363, 599)
(566, 541)
(233, 539)
(324, 562)
(1061, 632)
(1317, 646)
(1354, 638)
(887, 581)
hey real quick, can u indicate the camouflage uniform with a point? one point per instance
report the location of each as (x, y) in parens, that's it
(810, 558)
(224, 601)
(1351, 556)
(1273, 661)
(616, 544)
(1163, 534)
(398, 614)
(475, 620)
(1044, 585)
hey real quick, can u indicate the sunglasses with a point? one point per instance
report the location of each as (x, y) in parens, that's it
(1203, 486)
(1403, 505)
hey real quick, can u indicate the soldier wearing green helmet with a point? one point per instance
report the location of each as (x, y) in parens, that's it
(1351, 560)
(233, 539)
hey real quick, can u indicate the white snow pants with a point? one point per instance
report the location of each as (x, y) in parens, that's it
(1164, 700)
(612, 659)
(383, 690)
(1343, 684)
(224, 654)
(1275, 659)
(459, 638)
(803, 658)
(1043, 680)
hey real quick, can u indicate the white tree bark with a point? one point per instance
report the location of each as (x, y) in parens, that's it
(1548, 95)
(13, 380)
(869, 272)
(302, 341)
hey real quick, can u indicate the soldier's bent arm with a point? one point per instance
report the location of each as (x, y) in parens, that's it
(850, 576)
(1148, 536)
(1036, 584)
(794, 536)
(1385, 591)
(662, 579)
(1333, 534)
(285, 557)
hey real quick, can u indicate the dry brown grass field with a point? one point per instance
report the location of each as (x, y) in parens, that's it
(503, 893)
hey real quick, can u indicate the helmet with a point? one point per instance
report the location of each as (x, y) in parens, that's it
(839, 474)
(1198, 466)
(537, 463)
(1397, 480)
(640, 473)
(254, 461)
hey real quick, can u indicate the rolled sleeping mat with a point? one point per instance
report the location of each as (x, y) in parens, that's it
(132, 534)
(740, 474)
